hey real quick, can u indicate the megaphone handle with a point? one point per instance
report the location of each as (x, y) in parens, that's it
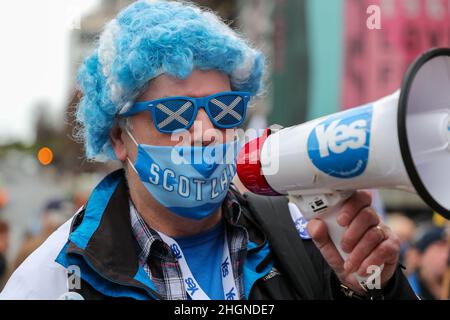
(326, 208)
(335, 230)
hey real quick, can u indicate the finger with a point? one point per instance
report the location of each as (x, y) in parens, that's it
(387, 253)
(319, 233)
(352, 206)
(366, 219)
(369, 241)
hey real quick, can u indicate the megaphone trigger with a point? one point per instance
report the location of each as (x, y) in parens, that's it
(326, 208)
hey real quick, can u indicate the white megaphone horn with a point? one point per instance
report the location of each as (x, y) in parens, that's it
(401, 141)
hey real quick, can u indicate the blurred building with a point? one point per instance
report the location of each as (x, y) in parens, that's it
(255, 21)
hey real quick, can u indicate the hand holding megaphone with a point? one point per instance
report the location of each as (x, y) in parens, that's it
(401, 141)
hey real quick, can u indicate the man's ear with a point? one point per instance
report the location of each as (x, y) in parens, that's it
(118, 143)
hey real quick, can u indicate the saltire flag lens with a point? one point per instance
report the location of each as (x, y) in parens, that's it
(224, 111)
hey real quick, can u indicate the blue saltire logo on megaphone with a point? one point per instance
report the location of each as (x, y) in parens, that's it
(339, 145)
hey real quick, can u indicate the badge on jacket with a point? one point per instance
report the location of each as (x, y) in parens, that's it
(300, 222)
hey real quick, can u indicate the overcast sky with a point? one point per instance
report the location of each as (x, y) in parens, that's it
(34, 62)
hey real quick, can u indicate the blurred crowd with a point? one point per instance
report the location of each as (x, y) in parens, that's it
(55, 213)
(424, 254)
(49, 218)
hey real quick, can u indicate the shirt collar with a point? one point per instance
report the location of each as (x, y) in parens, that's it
(231, 208)
(146, 237)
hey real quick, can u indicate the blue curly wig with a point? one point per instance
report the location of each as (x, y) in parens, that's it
(145, 40)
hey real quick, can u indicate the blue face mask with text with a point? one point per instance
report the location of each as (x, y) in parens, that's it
(190, 181)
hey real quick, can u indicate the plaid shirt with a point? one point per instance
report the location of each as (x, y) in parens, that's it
(162, 267)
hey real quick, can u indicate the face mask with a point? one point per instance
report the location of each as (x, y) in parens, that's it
(190, 181)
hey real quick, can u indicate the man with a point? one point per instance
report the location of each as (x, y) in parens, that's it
(170, 225)
(433, 250)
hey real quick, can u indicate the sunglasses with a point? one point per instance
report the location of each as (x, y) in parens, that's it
(224, 109)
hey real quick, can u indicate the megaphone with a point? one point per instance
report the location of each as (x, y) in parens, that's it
(401, 141)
